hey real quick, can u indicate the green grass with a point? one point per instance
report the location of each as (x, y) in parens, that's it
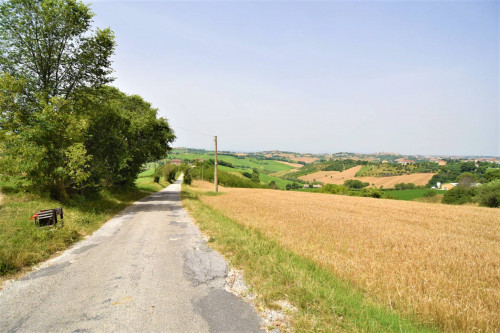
(325, 303)
(22, 244)
(313, 190)
(268, 166)
(409, 195)
(264, 178)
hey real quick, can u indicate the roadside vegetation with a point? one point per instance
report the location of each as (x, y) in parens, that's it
(23, 245)
(67, 138)
(324, 301)
(432, 261)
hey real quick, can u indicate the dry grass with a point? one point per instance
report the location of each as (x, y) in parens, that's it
(441, 262)
(336, 177)
(304, 159)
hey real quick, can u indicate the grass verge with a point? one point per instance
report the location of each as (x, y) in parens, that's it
(325, 303)
(23, 245)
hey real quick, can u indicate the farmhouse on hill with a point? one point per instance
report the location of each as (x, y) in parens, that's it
(404, 161)
(448, 186)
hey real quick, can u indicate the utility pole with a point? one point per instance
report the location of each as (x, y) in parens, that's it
(216, 186)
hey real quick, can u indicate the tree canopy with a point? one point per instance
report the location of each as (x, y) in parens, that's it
(49, 43)
(60, 125)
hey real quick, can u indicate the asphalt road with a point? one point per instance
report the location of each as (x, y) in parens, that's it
(146, 270)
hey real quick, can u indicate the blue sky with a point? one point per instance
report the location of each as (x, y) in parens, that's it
(315, 76)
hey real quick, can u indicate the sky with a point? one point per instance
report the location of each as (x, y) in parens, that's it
(417, 77)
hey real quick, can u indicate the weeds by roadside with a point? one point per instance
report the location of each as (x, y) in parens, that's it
(22, 244)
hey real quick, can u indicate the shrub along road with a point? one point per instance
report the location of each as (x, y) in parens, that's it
(145, 270)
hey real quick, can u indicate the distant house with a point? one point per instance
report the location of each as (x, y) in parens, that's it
(442, 162)
(404, 161)
(176, 161)
(314, 186)
(448, 186)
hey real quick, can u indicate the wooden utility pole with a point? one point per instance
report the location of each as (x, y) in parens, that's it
(216, 186)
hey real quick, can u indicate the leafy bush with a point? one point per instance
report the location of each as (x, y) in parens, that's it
(404, 186)
(372, 192)
(430, 193)
(187, 177)
(355, 184)
(491, 174)
(459, 195)
(488, 195)
(224, 178)
(255, 176)
(293, 186)
(335, 189)
(170, 171)
(466, 179)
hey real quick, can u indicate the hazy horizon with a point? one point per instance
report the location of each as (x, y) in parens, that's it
(409, 77)
(332, 153)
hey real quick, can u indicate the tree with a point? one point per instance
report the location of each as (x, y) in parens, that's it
(255, 176)
(49, 43)
(335, 189)
(59, 125)
(459, 195)
(491, 175)
(355, 184)
(187, 177)
(467, 179)
(489, 194)
(53, 153)
(372, 192)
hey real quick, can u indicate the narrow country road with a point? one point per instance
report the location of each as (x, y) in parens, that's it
(146, 270)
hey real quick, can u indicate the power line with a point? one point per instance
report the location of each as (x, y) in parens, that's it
(190, 130)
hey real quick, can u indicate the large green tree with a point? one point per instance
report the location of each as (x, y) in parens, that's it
(60, 125)
(124, 132)
(50, 44)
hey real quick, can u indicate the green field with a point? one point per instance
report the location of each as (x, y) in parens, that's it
(412, 194)
(240, 165)
(264, 166)
(264, 178)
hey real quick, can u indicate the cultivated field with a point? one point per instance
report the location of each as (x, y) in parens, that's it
(304, 159)
(441, 262)
(337, 177)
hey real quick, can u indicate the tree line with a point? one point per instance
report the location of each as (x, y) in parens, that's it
(62, 126)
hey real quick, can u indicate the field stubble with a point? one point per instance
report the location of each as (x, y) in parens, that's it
(440, 262)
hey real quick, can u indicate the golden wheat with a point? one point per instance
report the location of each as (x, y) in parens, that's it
(438, 261)
(337, 177)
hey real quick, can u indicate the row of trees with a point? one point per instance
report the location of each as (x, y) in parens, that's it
(484, 172)
(60, 124)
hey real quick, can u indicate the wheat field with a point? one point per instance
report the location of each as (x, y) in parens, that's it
(337, 177)
(438, 261)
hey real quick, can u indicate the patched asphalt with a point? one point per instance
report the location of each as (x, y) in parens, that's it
(146, 270)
